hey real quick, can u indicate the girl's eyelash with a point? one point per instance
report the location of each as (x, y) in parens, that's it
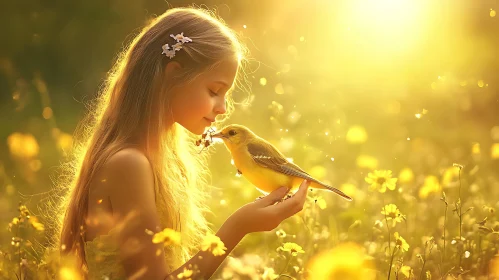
(213, 93)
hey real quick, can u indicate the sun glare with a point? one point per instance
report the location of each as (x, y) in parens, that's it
(386, 25)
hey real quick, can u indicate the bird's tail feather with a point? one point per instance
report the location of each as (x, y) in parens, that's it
(335, 190)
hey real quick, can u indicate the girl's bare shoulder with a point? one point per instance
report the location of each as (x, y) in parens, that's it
(126, 175)
(129, 180)
(127, 158)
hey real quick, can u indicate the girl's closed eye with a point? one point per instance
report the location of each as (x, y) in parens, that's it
(212, 93)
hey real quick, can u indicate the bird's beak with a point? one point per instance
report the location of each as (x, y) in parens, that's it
(218, 135)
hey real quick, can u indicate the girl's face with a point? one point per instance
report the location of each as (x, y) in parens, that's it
(196, 104)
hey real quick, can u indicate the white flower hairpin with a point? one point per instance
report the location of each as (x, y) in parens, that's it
(169, 51)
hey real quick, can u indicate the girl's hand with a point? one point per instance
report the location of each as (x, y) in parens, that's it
(263, 215)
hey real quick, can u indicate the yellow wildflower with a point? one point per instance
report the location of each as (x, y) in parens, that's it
(345, 261)
(400, 242)
(269, 274)
(381, 180)
(65, 141)
(16, 241)
(494, 151)
(291, 247)
(451, 175)
(66, 273)
(318, 172)
(430, 185)
(320, 202)
(214, 244)
(366, 161)
(392, 213)
(356, 134)
(475, 148)
(406, 271)
(37, 225)
(406, 175)
(186, 274)
(167, 236)
(22, 145)
(24, 210)
(349, 189)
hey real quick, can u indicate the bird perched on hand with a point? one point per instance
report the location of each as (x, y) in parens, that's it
(262, 163)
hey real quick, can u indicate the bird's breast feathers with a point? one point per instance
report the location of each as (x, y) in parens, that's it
(265, 179)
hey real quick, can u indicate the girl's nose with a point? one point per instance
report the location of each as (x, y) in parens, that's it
(220, 108)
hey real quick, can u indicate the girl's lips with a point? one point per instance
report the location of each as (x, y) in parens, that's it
(210, 120)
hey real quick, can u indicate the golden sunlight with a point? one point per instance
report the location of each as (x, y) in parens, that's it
(389, 25)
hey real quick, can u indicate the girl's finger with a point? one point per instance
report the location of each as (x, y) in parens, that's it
(290, 206)
(273, 197)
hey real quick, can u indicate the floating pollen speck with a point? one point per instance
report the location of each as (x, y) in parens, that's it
(99, 201)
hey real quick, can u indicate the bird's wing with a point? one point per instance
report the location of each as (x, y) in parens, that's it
(268, 156)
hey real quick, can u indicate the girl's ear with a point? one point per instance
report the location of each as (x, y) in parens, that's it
(171, 69)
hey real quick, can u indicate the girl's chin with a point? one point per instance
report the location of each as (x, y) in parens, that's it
(199, 130)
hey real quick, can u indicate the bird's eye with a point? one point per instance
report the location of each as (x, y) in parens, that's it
(232, 133)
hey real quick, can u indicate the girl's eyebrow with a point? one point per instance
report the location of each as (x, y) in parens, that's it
(222, 83)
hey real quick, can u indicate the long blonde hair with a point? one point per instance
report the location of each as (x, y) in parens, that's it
(134, 102)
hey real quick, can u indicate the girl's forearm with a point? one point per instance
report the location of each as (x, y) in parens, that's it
(204, 263)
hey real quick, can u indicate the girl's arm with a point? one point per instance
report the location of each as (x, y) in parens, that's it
(261, 215)
(204, 263)
(130, 184)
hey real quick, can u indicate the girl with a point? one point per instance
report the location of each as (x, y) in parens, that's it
(138, 169)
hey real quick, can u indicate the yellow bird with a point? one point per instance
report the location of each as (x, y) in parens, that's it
(262, 164)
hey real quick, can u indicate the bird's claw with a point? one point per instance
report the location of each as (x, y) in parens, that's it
(260, 197)
(286, 197)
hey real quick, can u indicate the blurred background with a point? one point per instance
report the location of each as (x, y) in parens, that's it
(343, 88)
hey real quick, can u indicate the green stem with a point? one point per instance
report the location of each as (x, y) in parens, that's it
(480, 250)
(391, 262)
(460, 219)
(422, 268)
(17, 235)
(285, 268)
(443, 253)
(460, 207)
(387, 228)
